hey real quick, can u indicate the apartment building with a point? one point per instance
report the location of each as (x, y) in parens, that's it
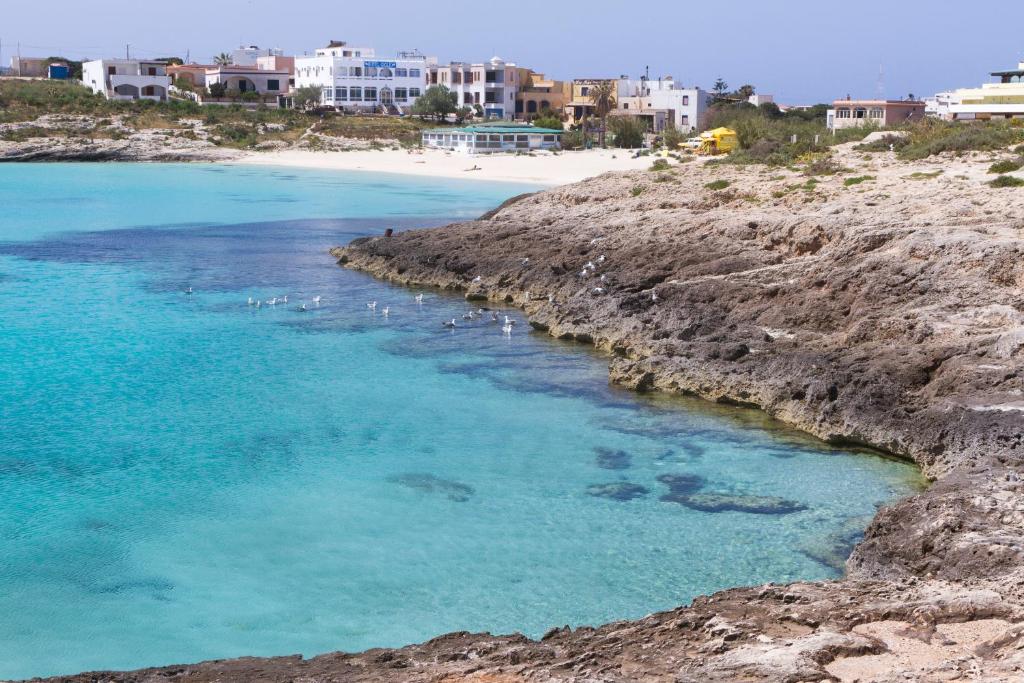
(1002, 99)
(538, 94)
(355, 78)
(489, 87)
(580, 104)
(662, 102)
(127, 79)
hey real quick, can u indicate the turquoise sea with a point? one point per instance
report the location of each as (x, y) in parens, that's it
(185, 477)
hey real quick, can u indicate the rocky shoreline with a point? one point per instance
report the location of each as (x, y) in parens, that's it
(886, 312)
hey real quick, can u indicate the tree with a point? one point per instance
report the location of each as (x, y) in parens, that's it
(217, 90)
(170, 60)
(436, 101)
(548, 119)
(745, 91)
(720, 88)
(223, 59)
(603, 96)
(672, 137)
(628, 131)
(463, 113)
(307, 97)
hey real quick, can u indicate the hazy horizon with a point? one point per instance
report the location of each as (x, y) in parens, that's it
(804, 53)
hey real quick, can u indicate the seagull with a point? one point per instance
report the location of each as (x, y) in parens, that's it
(477, 278)
(598, 290)
(600, 259)
(654, 296)
(583, 273)
(272, 302)
(450, 324)
(258, 303)
(302, 307)
(419, 298)
(551, 298)
(509, 321)
(527, 293)
(251, 301)
(284, 299)
(590, 266)
(603, 278)
(525, 260)
(188, 291)
(316, 299)
(386, 310)
(372, 305)
(507, 330)
(494, 317)
(468, 316)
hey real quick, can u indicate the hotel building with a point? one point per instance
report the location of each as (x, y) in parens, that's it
(538, 94)
(662, 102)
(490, 88)
(355, 78)
(127, 79)
(1003, 99)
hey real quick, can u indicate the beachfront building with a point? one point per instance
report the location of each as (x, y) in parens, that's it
(243, 79)
(489, 88)
(850, 113)
(127, 79)
(488, 138)
(1003, 99)
(537, 94)
(354, 78)
(662, 103)
(580, 104)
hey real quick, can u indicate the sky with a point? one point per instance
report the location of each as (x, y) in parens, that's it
(802, 52)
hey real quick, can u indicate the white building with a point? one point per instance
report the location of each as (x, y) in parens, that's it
(127, 79)
(991, 101)
(662, 99)
(486, 138)
(248, 55)
(489, 87)
(354, 78)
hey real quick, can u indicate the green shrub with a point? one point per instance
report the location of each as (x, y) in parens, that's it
(660, 165)
(930, 137)
(636, 190)
(548, 119)
(574, 139)
(627, 131)
(718, 185)
(1006, 166)
(1007, 181)
(850, 182)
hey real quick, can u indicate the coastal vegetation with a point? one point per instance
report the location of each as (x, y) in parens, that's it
(1007, 181)
(930, 137)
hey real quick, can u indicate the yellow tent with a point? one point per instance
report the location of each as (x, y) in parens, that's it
(718, 141)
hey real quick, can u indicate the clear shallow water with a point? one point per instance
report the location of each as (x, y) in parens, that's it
(185, 478)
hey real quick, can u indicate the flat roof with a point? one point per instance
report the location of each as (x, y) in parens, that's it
(500, 129)
(839, 103)
(1013, 72)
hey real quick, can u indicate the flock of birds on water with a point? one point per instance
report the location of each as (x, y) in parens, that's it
(480, 313)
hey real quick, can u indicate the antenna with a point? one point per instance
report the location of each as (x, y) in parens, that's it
(880, 88)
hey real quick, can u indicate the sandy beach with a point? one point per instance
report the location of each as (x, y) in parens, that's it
(543, 168)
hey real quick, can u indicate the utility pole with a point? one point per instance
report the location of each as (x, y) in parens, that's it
(127, 49)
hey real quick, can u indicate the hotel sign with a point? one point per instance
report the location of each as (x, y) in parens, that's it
(380, 65)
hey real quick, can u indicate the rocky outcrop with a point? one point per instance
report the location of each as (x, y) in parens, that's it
(887, 313)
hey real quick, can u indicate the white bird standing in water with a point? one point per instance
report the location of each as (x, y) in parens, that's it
(316, 299)
(386, 310)
(372, 305)
(251, 302)
(302, 307)
(188, 291)
(419, 298)
(507, 330)
(509, 321)
(284, 299)
(494, 317)
(258, 303)
(272, 302)
(450, 324)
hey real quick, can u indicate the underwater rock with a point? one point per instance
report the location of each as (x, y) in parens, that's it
(731, 502)
(611, 459)
(682, 484)
(428, 483)
(619, 490)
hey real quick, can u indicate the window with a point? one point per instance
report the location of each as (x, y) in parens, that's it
(342, 71)
(273, 84)
(386, 73)
(355, 94)
(401, 73)
(544, 104)
(328, 94)
(842, 113)
(686, 119)
(549, 138)
(531, 107)
(625, 105)
(876, 113)
(401, 94)
(358, 53)
(369, 94)
(371, 72)
(356, 71)
(414, 73)
(152, 71)
(686, 100)
(346, 53)
(341, 94)
(111, 70)
(584, 91)
(860, 113)
(414, 92)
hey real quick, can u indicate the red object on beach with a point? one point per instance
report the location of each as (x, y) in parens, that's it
(389, 232)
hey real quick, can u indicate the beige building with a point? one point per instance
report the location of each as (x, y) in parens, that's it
(30, 67)
(538, 94)
(881, 113)
(580, 104)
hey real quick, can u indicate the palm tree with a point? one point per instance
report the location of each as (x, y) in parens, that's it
(603, 96)
(223, 59)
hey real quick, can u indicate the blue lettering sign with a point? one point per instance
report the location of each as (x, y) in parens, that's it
(380, 65)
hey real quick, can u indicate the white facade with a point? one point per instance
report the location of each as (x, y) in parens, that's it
(491, 86)
(261, 81)
(354, 78)
(686, 106)
(1002, 100)
(490, 138)
(248, 55)
(127, 79)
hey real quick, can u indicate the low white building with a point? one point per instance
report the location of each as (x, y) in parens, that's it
(488, 87)
(355, 78)
(487, 138)
(249, 55)
(127, 79)
(663, 101)
(1003, 99)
